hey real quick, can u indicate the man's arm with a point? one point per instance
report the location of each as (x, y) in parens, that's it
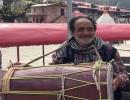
(56, 59)
(121, 77)
(59, 56)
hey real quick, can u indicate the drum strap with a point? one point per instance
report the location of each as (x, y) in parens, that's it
(96, 76)
(61, 96)
(6, 80)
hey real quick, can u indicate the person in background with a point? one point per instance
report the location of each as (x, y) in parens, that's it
(80, 48)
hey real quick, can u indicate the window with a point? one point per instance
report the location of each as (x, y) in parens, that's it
(37, 20)
(33, 19)
(42, 9)
(42, 19)
(34, 9)
(62, 12)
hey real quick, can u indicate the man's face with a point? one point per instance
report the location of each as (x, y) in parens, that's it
(84, 32)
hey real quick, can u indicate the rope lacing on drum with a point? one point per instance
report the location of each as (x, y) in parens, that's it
(61, 95)
(96, 75)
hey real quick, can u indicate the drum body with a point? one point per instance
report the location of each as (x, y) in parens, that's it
(55, 83)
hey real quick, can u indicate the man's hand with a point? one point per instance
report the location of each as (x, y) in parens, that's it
(116, 82)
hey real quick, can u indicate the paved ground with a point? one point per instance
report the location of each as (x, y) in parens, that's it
(31, 52)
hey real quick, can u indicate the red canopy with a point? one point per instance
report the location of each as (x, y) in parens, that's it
(114, 32)
(41, 34)
(31, 34)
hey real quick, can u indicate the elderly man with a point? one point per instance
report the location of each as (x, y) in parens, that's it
(83, 47)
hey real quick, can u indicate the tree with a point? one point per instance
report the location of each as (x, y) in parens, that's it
(13, 9)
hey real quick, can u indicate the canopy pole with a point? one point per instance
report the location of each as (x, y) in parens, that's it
(18, 54)
(69, 15)
(43, 53)
(0, 59)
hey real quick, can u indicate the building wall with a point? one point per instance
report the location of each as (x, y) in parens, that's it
(36, 14)
(53, 12)
(48, 13)
(37, 10)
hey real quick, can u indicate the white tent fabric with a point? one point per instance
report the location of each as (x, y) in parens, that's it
(105, 19)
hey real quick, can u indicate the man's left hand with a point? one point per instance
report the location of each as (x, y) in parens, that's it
(116, 82)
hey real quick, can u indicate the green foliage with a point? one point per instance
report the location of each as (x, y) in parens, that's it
(93, 5)
(16, 8)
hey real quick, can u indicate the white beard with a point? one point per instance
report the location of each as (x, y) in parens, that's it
(85, 41)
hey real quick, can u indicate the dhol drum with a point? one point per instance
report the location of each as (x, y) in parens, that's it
(58, 82)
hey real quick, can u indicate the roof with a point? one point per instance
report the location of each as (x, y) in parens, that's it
(107, 6)
(85, 7)
(78, 13)
(105, 19)
(123, 10)
(41, 5)
(63, 19)
(48, 4)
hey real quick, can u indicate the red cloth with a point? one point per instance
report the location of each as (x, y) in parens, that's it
(44, 34)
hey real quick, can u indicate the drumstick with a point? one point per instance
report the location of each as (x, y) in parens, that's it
(44, 55)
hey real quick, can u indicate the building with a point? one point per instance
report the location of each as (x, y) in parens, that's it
(46, 13)
(50, 12)
(95, 11)
(63, 19)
